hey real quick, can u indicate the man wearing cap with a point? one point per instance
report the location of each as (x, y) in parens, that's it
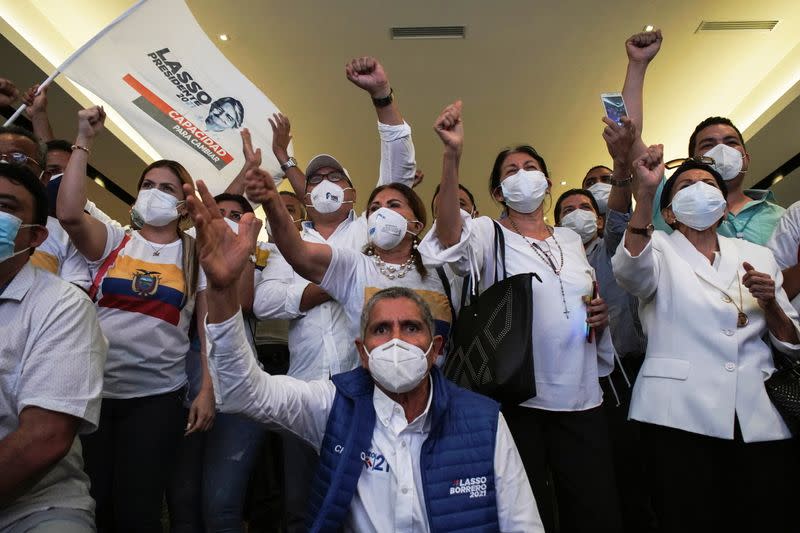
(319, 344)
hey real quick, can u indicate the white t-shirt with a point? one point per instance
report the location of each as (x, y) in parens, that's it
(58, 256)
(565, 364)
(141, 310)
(51, 357)
(353, 278)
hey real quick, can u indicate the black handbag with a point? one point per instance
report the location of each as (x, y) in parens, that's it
(490, 347)
(783, 388)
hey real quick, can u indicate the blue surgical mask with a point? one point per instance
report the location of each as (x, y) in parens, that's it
(9, 227)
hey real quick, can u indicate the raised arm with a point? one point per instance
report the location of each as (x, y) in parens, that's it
(641, 49)
(398, 162)
(619, 140)
(310, 260)
(8, 92)
(36, 111)
(368, 74)
(252, 159)
(281, 137)
(450, 129)
(86, 232)
(648, 171)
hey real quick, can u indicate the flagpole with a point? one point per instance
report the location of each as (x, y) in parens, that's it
(74, 56)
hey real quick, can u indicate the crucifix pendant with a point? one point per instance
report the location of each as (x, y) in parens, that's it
(157, 252)
(566, 312)
(742, 320)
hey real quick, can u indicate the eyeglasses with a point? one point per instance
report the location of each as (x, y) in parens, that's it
(18, 159)
(703, 160)
(316, 179)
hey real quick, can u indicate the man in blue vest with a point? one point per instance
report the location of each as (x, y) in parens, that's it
(401, 448)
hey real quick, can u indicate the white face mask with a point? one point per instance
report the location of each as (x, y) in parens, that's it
(727, 161)
(698, 206)
(386, 228)
(465, 213)
(154, 208)
(524, 191)
(582, 222)
(397, 365)
(600, 191)
(327, 197)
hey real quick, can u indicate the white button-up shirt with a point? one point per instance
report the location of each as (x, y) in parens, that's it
(52, 355)
(389, 495)
(320, 343)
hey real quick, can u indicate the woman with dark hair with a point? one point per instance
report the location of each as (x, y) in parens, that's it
(714, 312)
(561, 432)
(396, 216)
(147, 284)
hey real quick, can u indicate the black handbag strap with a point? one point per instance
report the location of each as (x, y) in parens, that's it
(499, 249)
(447, 290)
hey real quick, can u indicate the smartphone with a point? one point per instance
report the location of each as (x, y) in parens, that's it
(614, 106)
(587, 299)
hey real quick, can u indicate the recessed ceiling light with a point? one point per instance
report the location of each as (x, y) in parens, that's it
(563, 182)
(100, 182)
(223, 36)
(649, 27)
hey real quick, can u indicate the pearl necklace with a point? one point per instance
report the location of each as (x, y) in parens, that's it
(391, 271)
(548, 259)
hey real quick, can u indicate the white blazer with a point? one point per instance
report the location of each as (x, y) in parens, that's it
(700, 368)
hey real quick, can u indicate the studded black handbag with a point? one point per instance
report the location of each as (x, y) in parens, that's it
(490, 347)
(783, 388)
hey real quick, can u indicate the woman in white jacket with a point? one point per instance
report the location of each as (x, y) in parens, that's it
(720, 454)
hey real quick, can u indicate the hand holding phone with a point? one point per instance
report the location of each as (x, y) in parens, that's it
(614, 106)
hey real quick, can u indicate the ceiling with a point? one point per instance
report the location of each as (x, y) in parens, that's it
(527, 72)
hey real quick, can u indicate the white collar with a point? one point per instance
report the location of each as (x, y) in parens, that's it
(392, 415)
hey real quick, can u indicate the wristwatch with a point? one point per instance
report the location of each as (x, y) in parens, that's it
(291, 162)
(385, 101)
(647, 231)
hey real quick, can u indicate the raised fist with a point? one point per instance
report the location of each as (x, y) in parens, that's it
(91, 121)
(368, 74)
(8, 92)
(450, 127)
(643, 47)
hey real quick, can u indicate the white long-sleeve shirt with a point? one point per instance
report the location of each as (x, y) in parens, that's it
(320, 340)
(389, 495)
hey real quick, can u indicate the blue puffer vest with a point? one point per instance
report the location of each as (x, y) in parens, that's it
(457, 459)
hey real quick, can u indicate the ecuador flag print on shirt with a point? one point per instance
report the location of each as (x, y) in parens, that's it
(153, 289)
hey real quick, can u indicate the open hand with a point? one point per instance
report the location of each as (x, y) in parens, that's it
(223, 253)
(281, 136)
(259, 184)
(252, 158)
(201, 412)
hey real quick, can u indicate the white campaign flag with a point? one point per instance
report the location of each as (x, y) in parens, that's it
(164, 76)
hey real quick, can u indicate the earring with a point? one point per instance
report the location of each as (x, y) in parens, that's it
(415, 242)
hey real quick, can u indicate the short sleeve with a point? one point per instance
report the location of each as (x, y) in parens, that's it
(64, 370)
(785, 241)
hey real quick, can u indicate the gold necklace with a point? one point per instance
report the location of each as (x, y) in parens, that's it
(742, 320)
